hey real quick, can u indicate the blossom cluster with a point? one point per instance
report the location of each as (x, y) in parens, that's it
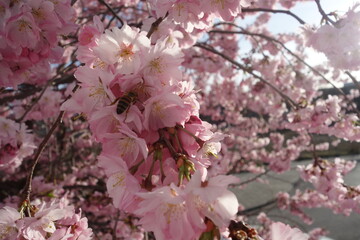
(330, 190)
(280, 231)
(325, 117)
(29, 31)
(16, 143)
(340, 42)
(155, 149)
(136, 97)
(328, 179)
(54, 220)
(198, 14)
(46, 108)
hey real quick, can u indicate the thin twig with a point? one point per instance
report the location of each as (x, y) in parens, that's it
(325, 16)
(112, 11)
(28, 109)
(41, 149)
(155, 25)
(115, 224)
(253, 179)
(274, 11)
(110, 21)
(291, 103)
(357, 84)
(38, 153)
(21, 95)
(90, 187)
(258, 207)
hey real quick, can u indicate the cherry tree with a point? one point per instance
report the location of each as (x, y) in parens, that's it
(134, 119)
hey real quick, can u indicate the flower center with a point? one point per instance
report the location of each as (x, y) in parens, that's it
(219, 2)
(126, 52)
(22, 25)
(156, 65)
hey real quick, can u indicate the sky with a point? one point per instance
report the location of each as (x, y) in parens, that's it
(308, 11)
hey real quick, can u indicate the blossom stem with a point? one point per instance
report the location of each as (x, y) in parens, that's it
(169, 146)
(134, 168)
(189, 133)
(178, 143)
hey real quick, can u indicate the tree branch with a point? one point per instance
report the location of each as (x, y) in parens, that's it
(21, 95)
(28, 109)
(353, 79)
(325, 16)
(294, 55)
(274, 11)
(253, 178)
(256, 208)
(38, 153)
(40, 150)
(155, 25)
(291, 103)
(112, 11)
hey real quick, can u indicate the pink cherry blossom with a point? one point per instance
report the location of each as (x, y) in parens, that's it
(168, 206)
(122, 47)
(164, 110)
(281, 231)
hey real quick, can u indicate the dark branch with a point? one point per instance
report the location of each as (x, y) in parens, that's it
(112, 11)
(357, 84)
(256, 208)
(28, 109)
(325, 16)
(274, 11)
(40, 150)
(155, 25)
(248, 70)
(38, 153)
(253, 178)
(21, 95)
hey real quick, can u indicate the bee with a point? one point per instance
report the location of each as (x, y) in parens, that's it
(126, 101)
(136, 94)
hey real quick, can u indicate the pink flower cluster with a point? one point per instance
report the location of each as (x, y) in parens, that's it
(29, 31)
(196, 13)
(54, 220)
(327, 178)
(325, 117)
(46, 108)
(280, 231)
(185, 21)
(330, 190)
(15, 144)
(155, 149)
(340, 43)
